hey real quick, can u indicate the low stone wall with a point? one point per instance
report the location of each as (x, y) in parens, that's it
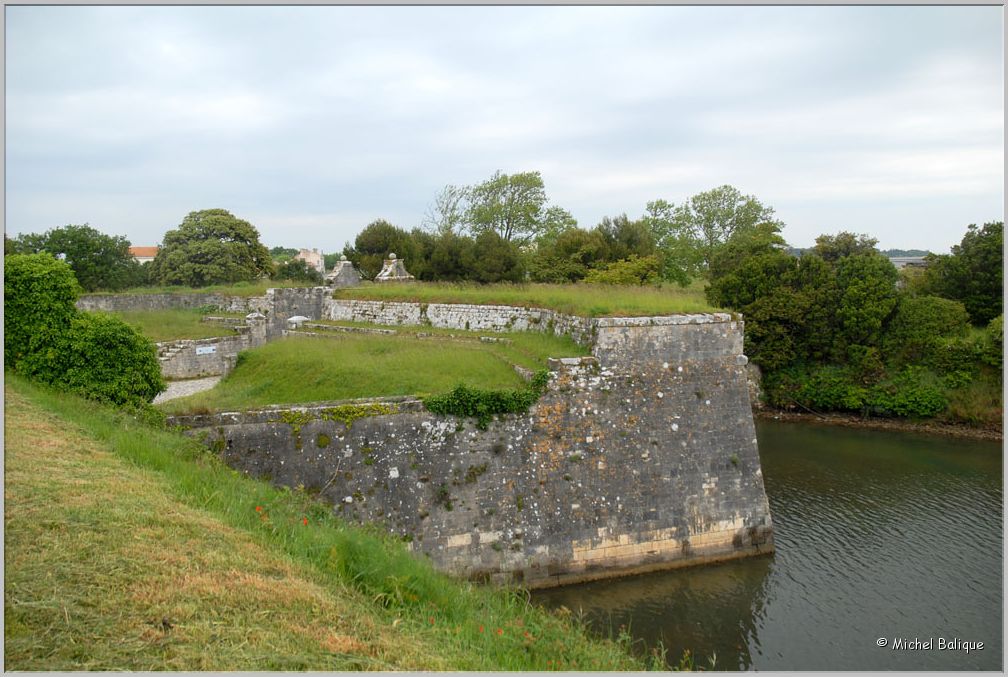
(644, 458)
(194, 358)
(464, 317)
(143, 302)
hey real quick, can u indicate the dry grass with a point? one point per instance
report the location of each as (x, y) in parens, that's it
(99, 555)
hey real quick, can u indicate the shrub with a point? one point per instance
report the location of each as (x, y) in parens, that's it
(634, 270)
(918, 321)
(105, 359)
(485, 404)
(949, 355)
(297, 270)
(911, 393)
(39, 296)
(992, 344)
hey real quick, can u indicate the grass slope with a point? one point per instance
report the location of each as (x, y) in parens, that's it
(591, 300)
(131, 548)
(177, 323)
(254, 288)
(348, 366)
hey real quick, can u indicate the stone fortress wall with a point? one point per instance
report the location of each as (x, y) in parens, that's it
(639, 458)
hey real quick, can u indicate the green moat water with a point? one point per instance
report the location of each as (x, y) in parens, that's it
(879, 535)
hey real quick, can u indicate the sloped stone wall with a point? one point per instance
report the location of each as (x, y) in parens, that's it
(641, 458)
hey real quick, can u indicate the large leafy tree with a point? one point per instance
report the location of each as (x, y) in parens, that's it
(448, 211)
(373, 245)
(973, 272)
(511, 205)
(690, 234)
(211, 246)
(99, 261)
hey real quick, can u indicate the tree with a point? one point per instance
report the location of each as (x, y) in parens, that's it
(297, 270)
(373, 245)
(867, 297)
(453, 258)
(973, 272)
(832, 248)
(556, 221)
(448, 211)
(704, 222)
(99, 261)
(39, 297)
(570, 258)
(625, 238)
(680, 253)
(495, 259)
(512, 206)
(211, 246)
(918, 321)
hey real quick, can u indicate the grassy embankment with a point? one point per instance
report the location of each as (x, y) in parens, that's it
(348, 366)
(587, 300)
(131, 548)
(253, 288)
(176, 323)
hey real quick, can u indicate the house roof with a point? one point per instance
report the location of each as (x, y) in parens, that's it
(143, 251)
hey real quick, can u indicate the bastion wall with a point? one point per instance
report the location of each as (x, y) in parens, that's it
(642, 457)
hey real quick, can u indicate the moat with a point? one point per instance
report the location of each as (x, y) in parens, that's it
(880, 535)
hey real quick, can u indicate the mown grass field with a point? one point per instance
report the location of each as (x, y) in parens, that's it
(587, 300)
(176, 323)
(348, 366)
(132, 548)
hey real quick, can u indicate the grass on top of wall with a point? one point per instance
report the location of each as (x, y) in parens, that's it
(348, 366)
(246, 289)
(133, 548)
(176, 323)
(586, 300)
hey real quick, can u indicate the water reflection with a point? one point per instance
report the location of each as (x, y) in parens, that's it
(878, 535)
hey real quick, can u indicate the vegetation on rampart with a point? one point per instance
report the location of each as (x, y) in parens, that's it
(176, 323)
(585, 300)
(133, 548)
(298, 370)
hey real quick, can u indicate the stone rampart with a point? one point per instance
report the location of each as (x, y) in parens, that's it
(641, 458)
(143, 302)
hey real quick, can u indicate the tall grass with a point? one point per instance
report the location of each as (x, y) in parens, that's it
(176, 323)
(86, 484)
(348, 366)
(591, 300)
(252, 288)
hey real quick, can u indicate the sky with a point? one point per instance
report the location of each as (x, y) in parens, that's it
(310, 122)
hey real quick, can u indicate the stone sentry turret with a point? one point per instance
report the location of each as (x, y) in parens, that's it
(393, 270)
(343, 274)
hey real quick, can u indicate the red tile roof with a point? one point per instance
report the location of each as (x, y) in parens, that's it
(143, 251)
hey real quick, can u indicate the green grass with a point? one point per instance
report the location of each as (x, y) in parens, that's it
(177, 323)
(254, 288)
(591, 300)
(349, 366)
(132, 548)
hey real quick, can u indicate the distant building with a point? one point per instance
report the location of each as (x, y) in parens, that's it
(144, 254)
(313, 258)
(908, 262)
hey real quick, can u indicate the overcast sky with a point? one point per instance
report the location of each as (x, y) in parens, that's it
(310, 122)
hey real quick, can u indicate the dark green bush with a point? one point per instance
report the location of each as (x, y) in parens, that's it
(949, 355)
(912, 393)
(992, 345)
(105, 359)
(297, 270)
(39, 297)
(485, 404)
(918, 321)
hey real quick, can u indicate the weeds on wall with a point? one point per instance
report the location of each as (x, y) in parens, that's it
(483, 405)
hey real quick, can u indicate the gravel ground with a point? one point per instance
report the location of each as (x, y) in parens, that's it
(187, 387)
